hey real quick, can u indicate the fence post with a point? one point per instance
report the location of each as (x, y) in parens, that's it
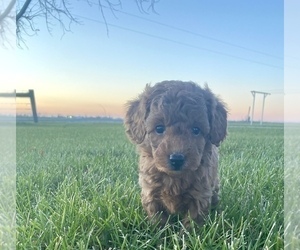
(33, 106)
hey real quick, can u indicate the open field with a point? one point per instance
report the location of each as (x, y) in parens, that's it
(77, 189)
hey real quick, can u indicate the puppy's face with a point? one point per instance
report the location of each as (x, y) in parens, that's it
(177, 128)
(172, 122)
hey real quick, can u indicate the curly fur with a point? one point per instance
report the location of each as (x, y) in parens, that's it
(177, 107)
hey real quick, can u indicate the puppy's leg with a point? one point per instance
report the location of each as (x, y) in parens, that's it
(215, 197)
(155, 210)
(197, 211)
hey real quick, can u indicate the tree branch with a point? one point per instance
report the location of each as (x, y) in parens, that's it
(23, 10)
(7, 10)
(58, 11)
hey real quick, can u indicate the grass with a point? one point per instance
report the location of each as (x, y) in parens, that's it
(7, 184)
(292, 186)
(77, 188)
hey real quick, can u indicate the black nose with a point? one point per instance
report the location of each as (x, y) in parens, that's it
(176, 161)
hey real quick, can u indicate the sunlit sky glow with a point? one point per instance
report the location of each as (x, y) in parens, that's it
(234, 46)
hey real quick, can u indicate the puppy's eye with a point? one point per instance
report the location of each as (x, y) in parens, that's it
(160, 129)
(196, 130)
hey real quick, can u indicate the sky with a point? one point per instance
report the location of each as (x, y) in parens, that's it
(234, 46)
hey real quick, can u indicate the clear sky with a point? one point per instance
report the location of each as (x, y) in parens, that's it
(235, 46)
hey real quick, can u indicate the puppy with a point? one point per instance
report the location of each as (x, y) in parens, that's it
(177, 127)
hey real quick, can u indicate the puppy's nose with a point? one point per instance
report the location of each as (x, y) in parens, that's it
(176, 161)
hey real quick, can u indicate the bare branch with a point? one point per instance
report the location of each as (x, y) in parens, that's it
(150, 3)
(7, 10)
(52, 11)
(7, 24)
(59, 12)
(23, 9)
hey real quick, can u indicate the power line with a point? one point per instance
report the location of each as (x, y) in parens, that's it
(283, 91)
(193, 33)
(274, 91)
(203, 36)
(178, 42)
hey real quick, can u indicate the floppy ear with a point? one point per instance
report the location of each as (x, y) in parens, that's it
(135, 120)
(218, 129)
(217, 115)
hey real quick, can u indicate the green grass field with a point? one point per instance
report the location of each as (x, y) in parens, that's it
(77, 188)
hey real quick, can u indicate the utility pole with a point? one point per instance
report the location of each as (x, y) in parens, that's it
(248, 115)
(253, 103)
(253, 92)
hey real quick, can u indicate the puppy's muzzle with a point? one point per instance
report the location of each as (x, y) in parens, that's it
(176, 161)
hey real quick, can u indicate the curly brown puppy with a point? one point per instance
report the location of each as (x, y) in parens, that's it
(177, 127)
